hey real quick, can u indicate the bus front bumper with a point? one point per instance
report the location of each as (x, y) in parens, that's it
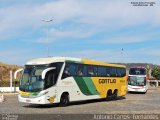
(137, 89)
(35, 100)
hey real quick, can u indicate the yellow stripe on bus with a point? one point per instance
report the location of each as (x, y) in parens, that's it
(93, 62)
(24, 93)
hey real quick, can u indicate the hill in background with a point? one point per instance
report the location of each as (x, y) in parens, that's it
(128, 65)
(5, 70)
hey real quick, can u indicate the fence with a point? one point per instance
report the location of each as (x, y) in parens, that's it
(9, 85)
(9, 89)
(5, 86)
(155, 83)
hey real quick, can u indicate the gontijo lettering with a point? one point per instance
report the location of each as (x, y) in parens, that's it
(103, 81)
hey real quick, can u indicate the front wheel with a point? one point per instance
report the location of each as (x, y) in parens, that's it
(145, 92)
(64, 101)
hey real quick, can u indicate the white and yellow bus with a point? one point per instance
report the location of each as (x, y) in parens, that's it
(63, 80)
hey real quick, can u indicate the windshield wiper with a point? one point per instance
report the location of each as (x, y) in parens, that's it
(23, 89)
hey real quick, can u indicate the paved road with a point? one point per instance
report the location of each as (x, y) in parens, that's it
(148, 103)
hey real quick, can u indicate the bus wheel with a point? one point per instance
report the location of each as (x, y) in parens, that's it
(109, 95)
(64, 101)
(115, 95)
(145, 92)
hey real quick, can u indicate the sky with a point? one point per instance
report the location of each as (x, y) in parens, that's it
(106, 30)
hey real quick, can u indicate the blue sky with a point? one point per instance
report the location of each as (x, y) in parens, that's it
(95, 29)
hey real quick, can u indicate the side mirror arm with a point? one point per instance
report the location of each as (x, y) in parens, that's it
(46, 70)
(16, 72)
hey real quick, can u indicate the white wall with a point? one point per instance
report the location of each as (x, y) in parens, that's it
(8, 89)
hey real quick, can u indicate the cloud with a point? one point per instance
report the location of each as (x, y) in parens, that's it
(141, 34)
(148, 55)
(19, 56)
(101, 55)
(97, 15)
(103, 21)
(142, 55)
(124, 40)
(55, 34)
(149, 51)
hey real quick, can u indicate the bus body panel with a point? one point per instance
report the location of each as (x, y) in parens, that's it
(103, 84)
(75, 94)
(91, 88)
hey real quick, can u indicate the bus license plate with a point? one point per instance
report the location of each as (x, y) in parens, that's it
(28, 100)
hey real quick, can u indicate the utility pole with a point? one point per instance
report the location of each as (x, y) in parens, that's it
(122, 50)
(11, 78)
(47, 21)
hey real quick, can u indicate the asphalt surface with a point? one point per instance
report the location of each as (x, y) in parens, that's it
(132, 103)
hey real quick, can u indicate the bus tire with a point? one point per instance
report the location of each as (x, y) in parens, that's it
(109, 95)
(64, 101)
(145, 92)
(115, 94)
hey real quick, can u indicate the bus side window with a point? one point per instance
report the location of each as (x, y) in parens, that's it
(113, 72)
(101, 71)
(50, 79)
(85, 70)
(80, 70)
(70, 70)
(95, 70)
(90, 71)
(118, 72)
(123, 72)
(73, 69)
(108, 71)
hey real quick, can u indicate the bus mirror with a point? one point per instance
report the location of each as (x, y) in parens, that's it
(16, 72)
(46, 70)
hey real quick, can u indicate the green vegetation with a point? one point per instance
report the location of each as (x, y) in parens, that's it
(156, 72)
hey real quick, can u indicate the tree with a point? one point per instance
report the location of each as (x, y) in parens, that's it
(156, 72)
(148, 69)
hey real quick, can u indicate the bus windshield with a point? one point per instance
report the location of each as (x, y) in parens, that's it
(136, 81)
(31, 79)
(137, 71)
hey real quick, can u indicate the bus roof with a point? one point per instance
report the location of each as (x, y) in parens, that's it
(48, 60)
